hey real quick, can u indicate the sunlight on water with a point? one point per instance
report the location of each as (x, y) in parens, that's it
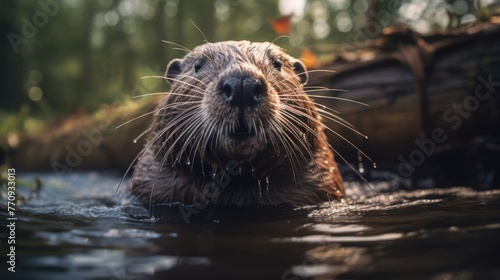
(327, 238)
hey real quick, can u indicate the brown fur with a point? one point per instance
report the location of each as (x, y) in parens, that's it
(193, 155)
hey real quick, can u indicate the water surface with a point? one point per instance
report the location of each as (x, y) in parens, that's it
(78, 227)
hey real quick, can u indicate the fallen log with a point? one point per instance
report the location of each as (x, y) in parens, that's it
(426, 96)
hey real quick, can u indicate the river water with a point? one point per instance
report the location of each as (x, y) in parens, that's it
(78, 227)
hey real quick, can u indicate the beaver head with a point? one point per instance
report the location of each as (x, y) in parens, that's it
(231, 99)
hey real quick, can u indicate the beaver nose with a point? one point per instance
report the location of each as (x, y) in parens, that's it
(242, 92)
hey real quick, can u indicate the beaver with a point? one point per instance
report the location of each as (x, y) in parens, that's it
(237, 128)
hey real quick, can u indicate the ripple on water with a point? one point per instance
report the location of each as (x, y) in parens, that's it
(346, 239)
(81, 228)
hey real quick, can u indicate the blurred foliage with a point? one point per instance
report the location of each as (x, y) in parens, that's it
(65, 55)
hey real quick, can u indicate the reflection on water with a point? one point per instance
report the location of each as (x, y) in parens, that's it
(80, 228)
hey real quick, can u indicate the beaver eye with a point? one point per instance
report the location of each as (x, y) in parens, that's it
(197, 65)
(277, 64)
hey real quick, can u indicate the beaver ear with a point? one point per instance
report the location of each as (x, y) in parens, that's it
(300, 69)
(174, 68)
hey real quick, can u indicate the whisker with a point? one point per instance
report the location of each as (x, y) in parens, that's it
(343, 159)
(277, 38)
(191, 128)
(331, 97)
(136, 118)
(158, 172)
(169, 106)
(340, 98)
(178, 45)
(324, 89)
(193, 78)
(329, 129)
(289, 152)
(319, 70)
(312, 102)
(165, 93)
(332, 117)
(191, 86)
(196, 146)
(150, 94)
(297, 133)
(341, 121)
(152, 76)
(203, 34)
(142, 134)
(180, 125)
(352, 167)
(138, 156)
(180, 49)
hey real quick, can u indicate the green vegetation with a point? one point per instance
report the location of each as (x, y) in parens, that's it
(66, 56)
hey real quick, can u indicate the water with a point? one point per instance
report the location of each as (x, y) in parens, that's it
(79, 228)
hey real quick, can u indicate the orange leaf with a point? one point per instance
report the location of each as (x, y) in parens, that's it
(309, 58)
(282, 25)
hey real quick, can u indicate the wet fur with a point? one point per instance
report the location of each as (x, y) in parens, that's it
(286, 160)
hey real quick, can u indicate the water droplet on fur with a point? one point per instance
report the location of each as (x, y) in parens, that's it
(135, 141)
(214, 169)
(260, 190)
(304, 136)
(267, 184)
(253, 172)
(361, 167)
(374, 165)
(332, 169)
(188, 162)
